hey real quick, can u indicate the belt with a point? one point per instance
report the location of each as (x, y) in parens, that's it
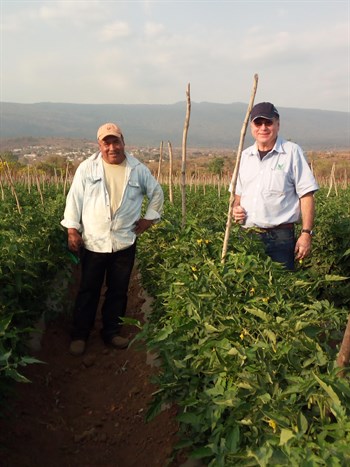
(288, 226)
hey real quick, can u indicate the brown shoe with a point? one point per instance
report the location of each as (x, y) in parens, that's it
(119, 342)
(77, 347)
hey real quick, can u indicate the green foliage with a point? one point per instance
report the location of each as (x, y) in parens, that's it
(8, 156)
(31, 254)
(331, 245)
(247, 349)
(215, 166)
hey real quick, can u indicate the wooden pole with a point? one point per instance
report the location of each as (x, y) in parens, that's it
(171, 195)
(2, 191)
(28, 179)
(344, 351)
(65, 180)
(160, 159)
(235, 173)
(331, 181)
(9, 177)
(38, 186)
(183, 165)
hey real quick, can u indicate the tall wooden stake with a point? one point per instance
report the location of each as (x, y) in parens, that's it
(183, 165)
(343, 358)
(171, 196)
(66, 179)
(13, 189)
(235, 173)
(160, 159)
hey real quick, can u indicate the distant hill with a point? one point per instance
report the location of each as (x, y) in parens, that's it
(211, 125)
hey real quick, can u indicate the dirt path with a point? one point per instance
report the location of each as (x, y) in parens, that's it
(87, 411)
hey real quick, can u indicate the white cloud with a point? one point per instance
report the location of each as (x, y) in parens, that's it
(114, 30)
(42, 13)
(147, 51)
(71, 10)
(282, 47)
(153, 29)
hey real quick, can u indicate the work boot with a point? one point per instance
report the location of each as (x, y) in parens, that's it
(119, 342)
(77, 347)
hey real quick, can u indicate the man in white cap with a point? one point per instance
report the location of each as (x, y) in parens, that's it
(275, 189)
(102, 217)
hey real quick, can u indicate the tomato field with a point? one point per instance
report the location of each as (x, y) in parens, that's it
(247, 351)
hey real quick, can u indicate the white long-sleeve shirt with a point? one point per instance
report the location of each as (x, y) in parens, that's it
(88, 205)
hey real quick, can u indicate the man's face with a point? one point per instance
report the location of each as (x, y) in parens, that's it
(112, 149)
(265, 132)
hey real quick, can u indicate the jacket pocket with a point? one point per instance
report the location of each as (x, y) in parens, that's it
(133, 189)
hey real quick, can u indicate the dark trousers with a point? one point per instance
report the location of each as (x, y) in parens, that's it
(116, 269)
(279, 245)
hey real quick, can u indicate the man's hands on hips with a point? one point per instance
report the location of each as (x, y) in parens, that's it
(142, 225)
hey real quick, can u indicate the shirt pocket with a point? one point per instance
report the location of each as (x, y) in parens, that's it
(93, 187)
(133, 190)
(278, 182)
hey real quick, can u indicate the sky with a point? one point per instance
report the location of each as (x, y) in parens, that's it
(147, 52)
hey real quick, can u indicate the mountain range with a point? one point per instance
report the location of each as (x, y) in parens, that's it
(211, 125)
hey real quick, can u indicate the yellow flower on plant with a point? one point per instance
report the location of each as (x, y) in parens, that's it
(265, 299)
(273, 425)
(200, 241)
(206, 242)
(244, 333)
(194, 269)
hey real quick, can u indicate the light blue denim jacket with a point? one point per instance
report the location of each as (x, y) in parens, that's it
(88, 205)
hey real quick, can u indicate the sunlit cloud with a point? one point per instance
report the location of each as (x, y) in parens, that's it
(115, 30)
(79, 13)
(161, 48)
(153, 29)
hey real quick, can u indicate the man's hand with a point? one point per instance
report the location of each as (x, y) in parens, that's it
(303, 246)
(142, 225)
(75, 242)
(239, 214)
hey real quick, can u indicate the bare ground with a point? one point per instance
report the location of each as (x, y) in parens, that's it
(88, 411)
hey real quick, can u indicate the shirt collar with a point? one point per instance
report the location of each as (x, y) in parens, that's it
(278, 147)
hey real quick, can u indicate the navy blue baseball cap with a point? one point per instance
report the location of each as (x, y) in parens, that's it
(264, 110)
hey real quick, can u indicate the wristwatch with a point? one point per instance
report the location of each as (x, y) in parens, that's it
(310, 232)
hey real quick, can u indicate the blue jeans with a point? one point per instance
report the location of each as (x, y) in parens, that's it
(279, 245)
(116, 268)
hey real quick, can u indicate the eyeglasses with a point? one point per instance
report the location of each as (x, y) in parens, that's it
(263, 121)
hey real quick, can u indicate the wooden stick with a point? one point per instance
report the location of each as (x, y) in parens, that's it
(160, 159)
(38, 187)
(235, 173)
(171, 195)
(65, 180)
(331, 180)
(344, 351)
(183, 165)
(9, 177)
(2, 191)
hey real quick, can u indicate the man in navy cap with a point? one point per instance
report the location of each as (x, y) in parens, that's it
(275, 189)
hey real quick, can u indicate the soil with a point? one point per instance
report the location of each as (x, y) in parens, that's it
(90, 410)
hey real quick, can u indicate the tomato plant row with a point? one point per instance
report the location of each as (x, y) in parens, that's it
(31, 254)
(248, 350)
